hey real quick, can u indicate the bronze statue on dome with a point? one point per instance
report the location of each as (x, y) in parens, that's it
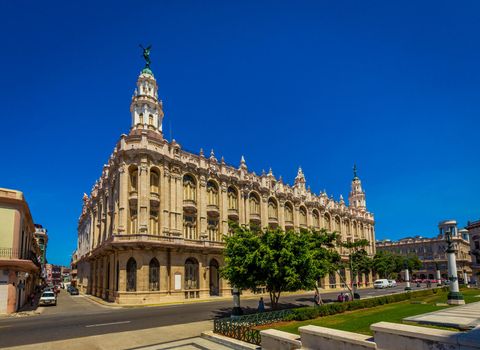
(146, 55)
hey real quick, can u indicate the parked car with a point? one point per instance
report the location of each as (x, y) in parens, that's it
(48, 298)
(392, 283)
(72, 290)
(380, 284)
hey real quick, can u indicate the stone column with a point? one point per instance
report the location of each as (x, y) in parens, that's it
(264, 211)
(123, 199)
(281, 214)
(177, 192)
(407, 279)
(202, 208)
(165, 200)
(296, 221)
(309, 217)
(223, 206)
(104, 277)
(241, 207)
(246, 206)
(454, 297)
(143, 196)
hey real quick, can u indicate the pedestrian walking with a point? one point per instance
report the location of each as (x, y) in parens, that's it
(316, 298)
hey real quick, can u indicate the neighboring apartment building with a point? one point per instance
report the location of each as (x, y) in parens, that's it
(41, 237)
(19, 263)
(473, 228)
(151, 228)
(431, 251)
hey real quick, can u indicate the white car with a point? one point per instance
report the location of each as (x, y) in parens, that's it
(48, 298)
(380, 284)
(392, 283)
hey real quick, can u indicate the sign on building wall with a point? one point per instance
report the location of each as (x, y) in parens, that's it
(178, 281)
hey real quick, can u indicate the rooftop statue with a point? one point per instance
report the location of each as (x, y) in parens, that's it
(146, 55)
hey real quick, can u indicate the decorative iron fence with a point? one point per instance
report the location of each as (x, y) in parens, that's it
(242, 327)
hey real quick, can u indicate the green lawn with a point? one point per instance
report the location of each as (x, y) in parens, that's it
(359, 321)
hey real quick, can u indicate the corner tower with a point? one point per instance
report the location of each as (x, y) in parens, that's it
(356, 199)
(146, 108)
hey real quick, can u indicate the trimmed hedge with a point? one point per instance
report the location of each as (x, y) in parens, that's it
(308, 313)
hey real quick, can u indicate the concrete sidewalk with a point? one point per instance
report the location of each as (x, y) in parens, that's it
(461, 317)
(182, 336)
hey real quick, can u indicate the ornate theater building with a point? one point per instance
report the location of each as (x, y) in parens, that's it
(151, 229)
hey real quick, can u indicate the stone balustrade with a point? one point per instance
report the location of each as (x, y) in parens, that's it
(273, 339)
(387, 336)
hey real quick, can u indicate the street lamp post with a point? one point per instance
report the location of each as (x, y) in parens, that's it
(237, 310)
(407, 276)
(454, 296)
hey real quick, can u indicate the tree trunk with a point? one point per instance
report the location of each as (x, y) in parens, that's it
(274, 296)
(320, 301)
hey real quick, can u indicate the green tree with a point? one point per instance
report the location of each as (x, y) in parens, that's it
(325, 256)
(280, 261)
(384, 263)
(389, 264)
(358, 261)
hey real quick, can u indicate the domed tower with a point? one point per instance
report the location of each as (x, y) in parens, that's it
(146, 109)
(356, 199)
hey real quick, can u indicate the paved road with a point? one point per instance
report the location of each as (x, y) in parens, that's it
(78, 316)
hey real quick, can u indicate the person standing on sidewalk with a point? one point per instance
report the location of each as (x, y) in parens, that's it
(261, 305)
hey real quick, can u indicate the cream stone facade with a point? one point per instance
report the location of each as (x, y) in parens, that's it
(431, 251)
(151, 229)
(473, 228)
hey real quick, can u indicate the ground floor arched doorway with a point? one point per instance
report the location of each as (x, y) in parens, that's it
(214, 278)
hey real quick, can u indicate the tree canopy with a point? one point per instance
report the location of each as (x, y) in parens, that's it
(388, 264)
(280, 261)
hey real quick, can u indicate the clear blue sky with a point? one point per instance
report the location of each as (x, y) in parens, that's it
(392, 86)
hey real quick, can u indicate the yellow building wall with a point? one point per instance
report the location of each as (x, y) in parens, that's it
(7, 218)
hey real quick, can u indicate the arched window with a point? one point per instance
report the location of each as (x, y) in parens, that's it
(189, 188)
(133, 222)
(328, 225)
(153, 218)
(346, 224)
(316, 219)
(133, 179)
(288, 213)
(191, 274)
(303, 217)
(212, 193)
(232, 198)
(254, 203)
(131, 275)
(140, 118)
(154, 275)
(272, 209)
(332, 279)
(150, 119)
(212, 228)
(189, 225)
(355, 229)
(338, 228)
(154, 181)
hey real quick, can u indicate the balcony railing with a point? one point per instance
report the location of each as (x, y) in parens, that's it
(166, 239)
(10, 253)
(13, 253)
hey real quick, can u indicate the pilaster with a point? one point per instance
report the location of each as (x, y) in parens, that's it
(264, 211)
(143, 197)
(123, 199)
(223, 205)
